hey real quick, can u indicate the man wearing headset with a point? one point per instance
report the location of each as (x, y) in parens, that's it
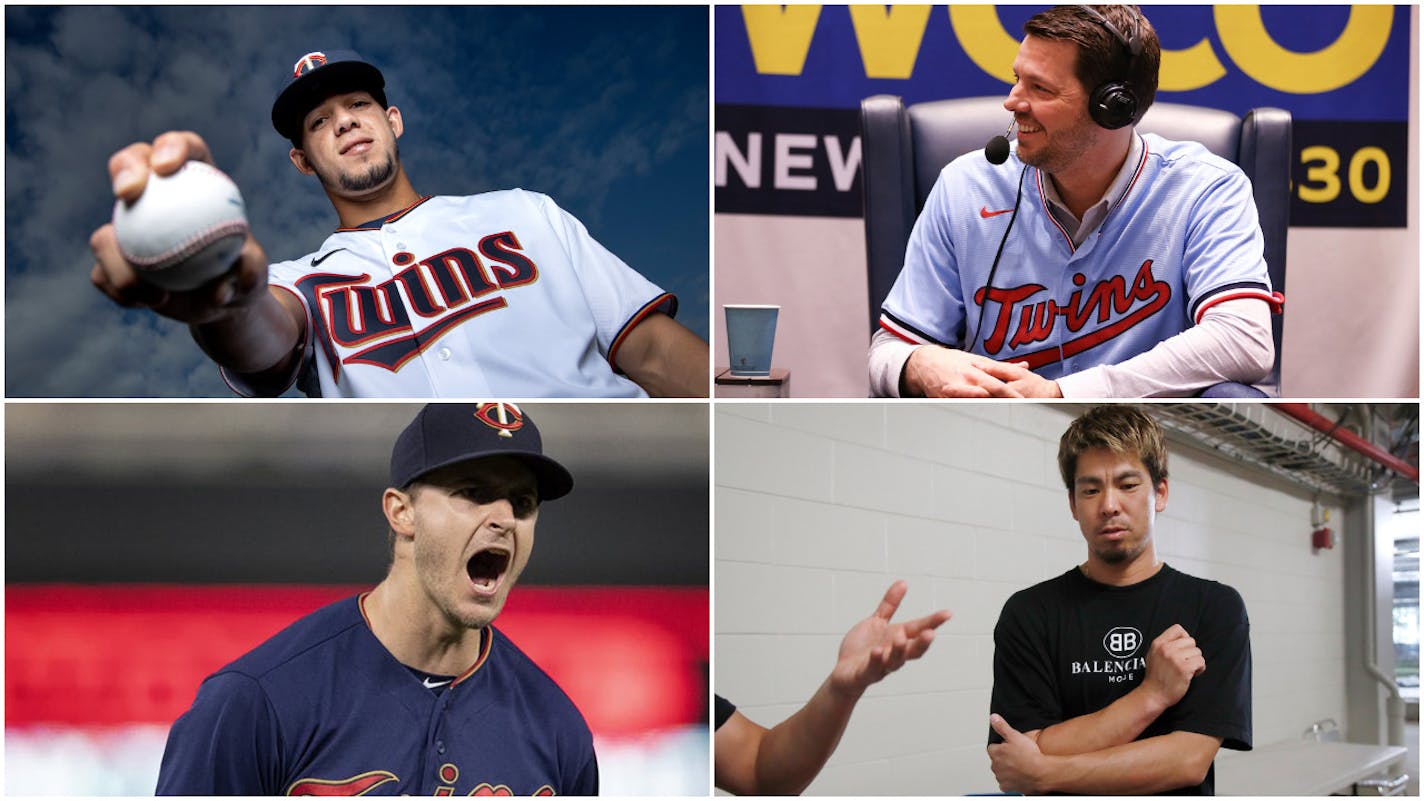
(1095, 262)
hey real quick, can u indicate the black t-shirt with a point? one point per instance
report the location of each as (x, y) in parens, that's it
(1070, 646)
(724, 711)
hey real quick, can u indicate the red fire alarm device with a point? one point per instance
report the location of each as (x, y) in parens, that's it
(1322, 538)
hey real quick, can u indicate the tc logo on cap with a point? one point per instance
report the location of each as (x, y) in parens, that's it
(307, 63)
(503, 417)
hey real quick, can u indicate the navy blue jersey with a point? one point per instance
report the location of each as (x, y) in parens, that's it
(323, 708)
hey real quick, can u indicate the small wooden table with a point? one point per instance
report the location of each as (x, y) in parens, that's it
(776, 385)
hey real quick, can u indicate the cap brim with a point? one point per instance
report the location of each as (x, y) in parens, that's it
(554, 480)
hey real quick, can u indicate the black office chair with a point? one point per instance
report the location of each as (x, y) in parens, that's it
(904, 149)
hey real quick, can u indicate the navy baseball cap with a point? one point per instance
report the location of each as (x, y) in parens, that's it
(317, 76)
(449, 433)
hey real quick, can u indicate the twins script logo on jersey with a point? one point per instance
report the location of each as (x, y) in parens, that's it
(370, 780)
(1112, 301)
(388, 324)
(502, 417)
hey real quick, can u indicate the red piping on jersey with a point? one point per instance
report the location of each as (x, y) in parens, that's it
(486, 644)
(486, 641)
(900, 334)
(1043, 196)
(648, 308)
(1275, 300)
(366, 226)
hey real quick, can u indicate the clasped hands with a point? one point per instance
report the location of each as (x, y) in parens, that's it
(937, 372)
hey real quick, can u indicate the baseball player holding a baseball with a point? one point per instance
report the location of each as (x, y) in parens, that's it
(407, 689)
(501, 293)
(1097, 262)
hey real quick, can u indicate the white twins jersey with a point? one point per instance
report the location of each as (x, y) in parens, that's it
(1183, 236)
(501, 294)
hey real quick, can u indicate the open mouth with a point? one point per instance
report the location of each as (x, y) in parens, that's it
(486, 568)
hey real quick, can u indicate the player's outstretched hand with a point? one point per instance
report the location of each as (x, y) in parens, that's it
(875, 647)
(936, 372)
(129, 170)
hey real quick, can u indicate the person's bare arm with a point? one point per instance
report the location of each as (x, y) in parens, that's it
(783, 760)
(1173, 660)
(1154, 765)
(664, 358)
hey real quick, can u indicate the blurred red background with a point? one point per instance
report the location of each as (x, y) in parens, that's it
(633, 659)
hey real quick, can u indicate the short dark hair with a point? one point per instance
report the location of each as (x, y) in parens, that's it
(1121, 428)
(1102, 57)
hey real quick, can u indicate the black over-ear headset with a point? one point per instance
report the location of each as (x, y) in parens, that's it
(1113, 104)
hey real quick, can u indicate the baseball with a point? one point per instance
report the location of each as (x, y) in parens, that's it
(185, 229)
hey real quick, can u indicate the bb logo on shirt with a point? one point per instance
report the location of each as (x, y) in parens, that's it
(1122, 642)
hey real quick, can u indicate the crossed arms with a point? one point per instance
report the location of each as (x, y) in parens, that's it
(1098, 752)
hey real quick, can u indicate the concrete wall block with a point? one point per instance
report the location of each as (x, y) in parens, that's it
(763, 599)
(829, 536)
(874, 479)
(936, 433)
(767, 458)
(746, 530)
(859, 423)
(929, 546)
(961, 496)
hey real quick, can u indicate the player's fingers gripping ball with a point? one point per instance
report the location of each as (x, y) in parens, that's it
(185, 229)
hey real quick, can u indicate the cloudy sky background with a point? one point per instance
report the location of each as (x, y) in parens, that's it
(604, 109)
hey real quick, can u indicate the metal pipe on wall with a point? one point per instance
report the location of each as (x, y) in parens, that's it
(1302, 413)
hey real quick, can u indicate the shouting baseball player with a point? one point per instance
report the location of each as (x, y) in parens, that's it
(409, 688)
(501, 293)
(1097, 262)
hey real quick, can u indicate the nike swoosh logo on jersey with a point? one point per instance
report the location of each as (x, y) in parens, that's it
(320, 259)
(986, 214)
(428, 684)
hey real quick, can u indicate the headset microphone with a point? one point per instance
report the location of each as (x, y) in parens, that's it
(997, 151)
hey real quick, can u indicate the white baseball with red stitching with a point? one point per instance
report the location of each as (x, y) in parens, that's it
(185, 229)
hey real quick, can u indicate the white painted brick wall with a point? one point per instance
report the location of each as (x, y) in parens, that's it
(819, 507)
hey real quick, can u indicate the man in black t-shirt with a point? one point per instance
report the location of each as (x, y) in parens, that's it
(1122, 675)
(750, 759)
